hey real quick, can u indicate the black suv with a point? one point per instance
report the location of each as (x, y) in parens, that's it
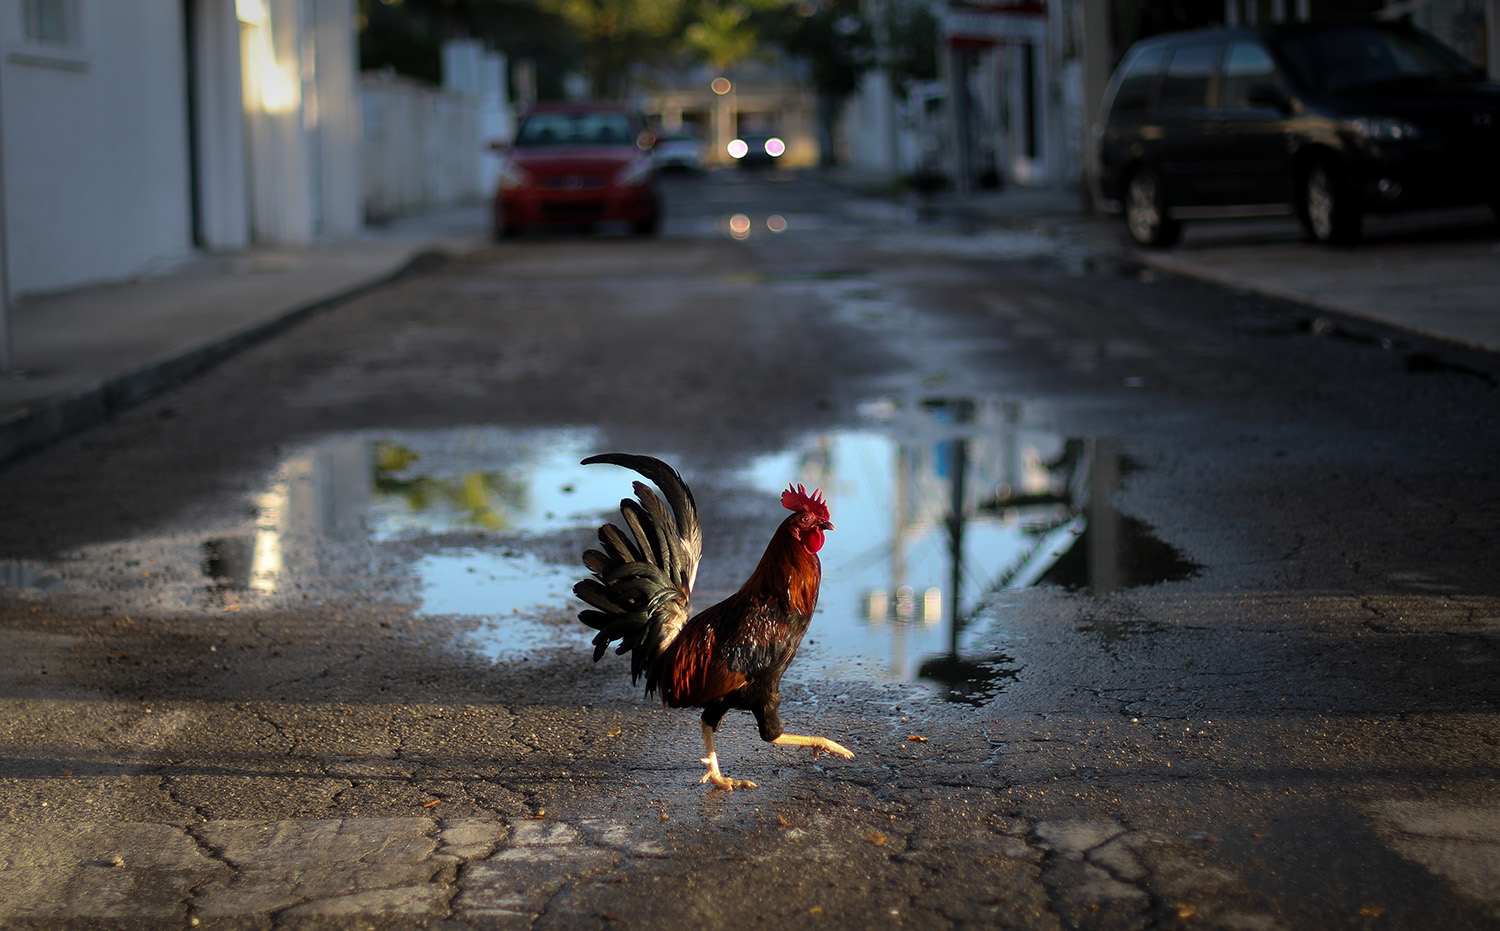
(1328, 120)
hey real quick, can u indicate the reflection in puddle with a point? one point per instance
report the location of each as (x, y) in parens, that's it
(17, 575)
(525, 603)
(492, 480)
(950, 504)
(942, 506)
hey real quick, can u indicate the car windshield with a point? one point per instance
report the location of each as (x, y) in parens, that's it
(575, 129)
(1333, 60)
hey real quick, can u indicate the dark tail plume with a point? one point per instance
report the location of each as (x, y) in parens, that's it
(643, 580)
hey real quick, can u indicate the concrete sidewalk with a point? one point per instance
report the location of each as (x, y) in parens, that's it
(1435, 273)
(81, 355)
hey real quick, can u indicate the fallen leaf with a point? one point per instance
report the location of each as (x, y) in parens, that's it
(665, 818)
(613, 733)
(539, 815)
(1372, 911)
(815, 910)
(782, 819)
(876, 838)
(434, 803)
(918, 738)
(1186, 911)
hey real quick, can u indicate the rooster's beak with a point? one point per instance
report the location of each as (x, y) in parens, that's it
(825, 525)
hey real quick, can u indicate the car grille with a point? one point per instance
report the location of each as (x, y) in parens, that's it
(572, 182)
(574, 209)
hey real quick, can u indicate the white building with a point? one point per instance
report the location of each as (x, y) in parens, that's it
(134, 133)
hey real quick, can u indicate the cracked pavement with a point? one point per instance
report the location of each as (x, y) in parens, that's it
(1300, 734)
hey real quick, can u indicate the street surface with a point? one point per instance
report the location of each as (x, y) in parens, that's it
(292, 646)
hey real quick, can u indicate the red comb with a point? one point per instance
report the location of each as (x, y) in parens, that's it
(796, 498)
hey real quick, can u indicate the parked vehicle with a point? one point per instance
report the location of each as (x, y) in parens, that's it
(578, 164)
(679, 151)
(757, 151)
(1327, 121)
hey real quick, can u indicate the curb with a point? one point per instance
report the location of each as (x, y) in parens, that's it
(33, 429)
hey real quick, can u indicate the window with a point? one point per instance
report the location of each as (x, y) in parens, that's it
(1138, 79)
(575, 129)
(1186, 82)
(51, 22)
(1246, 65)
(1338, 58)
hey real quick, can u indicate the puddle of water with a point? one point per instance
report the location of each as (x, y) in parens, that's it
(22, 576)
(524, 603)
(942, 507)
(498, 481)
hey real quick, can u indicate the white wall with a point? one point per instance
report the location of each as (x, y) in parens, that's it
(219, 127)
(95, 145)
(421, 147)
(299, 62)
(337, 123)
(870, 124)
(468, 67)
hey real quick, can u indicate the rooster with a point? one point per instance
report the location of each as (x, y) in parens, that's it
(729, 655)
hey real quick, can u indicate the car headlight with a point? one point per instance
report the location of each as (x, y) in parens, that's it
(512, 176)
(1383, 128)
(634, 174)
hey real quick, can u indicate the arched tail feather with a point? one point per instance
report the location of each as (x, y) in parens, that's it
(643, 580)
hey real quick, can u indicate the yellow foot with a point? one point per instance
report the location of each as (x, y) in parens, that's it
(818, 744)
(718, 780)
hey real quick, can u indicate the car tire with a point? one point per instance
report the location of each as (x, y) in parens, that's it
(1146, 214)
(1328, 206)
(647, 227)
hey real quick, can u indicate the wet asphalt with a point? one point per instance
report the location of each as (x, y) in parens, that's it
(1228, 625)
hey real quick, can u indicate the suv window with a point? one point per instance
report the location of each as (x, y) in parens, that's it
(1341, 58)
(1188, 73)
(1138, 79)
(1246, 65)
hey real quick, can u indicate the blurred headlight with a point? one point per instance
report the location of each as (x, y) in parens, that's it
(775, 147)
(512, 176)
(738, 148)
(634, 174)
(1383, 128)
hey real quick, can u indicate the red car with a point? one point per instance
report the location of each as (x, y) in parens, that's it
(578, 164)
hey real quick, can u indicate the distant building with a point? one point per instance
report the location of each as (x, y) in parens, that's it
(133, 134)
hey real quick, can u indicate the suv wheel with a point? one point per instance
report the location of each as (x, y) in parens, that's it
(1146, 211)
(1328, 208)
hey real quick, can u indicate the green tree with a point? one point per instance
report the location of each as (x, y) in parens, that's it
(618, 35)
(407, 36)
(912, 42)
(838, 44)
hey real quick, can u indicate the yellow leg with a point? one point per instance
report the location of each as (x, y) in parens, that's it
(818, 744)
(718, 779)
